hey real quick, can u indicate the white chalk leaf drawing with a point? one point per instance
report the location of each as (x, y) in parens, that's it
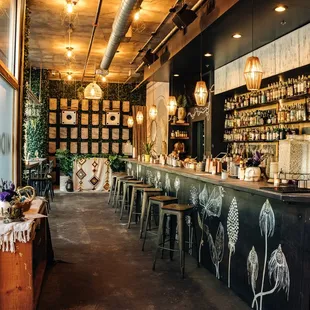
(188, 221)
(177, 185)
(193, 196)
(217, 248)
(267, 225)
(149, 177)
(214, 205)
(204, 230)
(129, 168)
(278, 271)
(203, 197)
(167, 184)
(157, 178)
(253, 268)
(232, 231)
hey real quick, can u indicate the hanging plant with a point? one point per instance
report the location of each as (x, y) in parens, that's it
(80, 93)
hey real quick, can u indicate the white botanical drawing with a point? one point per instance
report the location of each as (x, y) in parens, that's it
(149, 177)
(177, 185)
(167, 184)
(217, 248)
(253, 268)
(278, 271)
(129, 168)
(232, 231)
(215, 201)
(212, 206)
(266, 224)
(193, 196)
(157, 178)
(188, 220)
(139, 169)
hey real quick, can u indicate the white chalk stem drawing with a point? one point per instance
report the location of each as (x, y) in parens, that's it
(167, 184)
(232, 231)
(204, 230)
(279, 272)
(217, 248)
(188, 221)
(266, 224)
(253, 268)
(193, 195)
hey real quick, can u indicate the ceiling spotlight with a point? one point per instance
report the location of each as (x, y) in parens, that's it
(176, 75)
(69, 76)
(69, 51)
(280, 8)
(208, 55)
(103, 79)
(237, 36)
(136, 17)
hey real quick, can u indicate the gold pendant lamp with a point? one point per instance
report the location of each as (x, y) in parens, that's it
(201, 90)
(130, 122)
(139, 118)
(253, 71)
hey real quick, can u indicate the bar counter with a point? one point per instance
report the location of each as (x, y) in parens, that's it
(260, 236)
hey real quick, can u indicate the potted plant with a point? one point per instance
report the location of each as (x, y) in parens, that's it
(65, 161)
(116, 164)
(183, 101)
(253, 172)
(147, 151)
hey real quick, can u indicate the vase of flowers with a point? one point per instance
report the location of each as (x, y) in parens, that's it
(253, 171)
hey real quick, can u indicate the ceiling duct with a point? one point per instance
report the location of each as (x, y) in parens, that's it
(119, 29)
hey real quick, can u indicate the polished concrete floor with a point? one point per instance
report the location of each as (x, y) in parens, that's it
(100, 265)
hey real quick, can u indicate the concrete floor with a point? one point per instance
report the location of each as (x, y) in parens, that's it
(101, 266)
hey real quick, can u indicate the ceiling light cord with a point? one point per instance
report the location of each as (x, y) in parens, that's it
(201, 56)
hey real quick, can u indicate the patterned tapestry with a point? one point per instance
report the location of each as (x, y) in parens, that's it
(91, 174)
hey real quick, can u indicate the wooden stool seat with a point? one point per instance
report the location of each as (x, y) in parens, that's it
(149, 189)
(177, 207)
(132, 181)
(163, 198)
(142, 185)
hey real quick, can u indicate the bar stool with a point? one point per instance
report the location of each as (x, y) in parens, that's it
(179, 211)
(113, 185)
(159, 201)
(146, 194)
(126, 187)
(117, 191)
(133, 200)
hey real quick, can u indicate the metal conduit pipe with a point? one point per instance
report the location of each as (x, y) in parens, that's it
(120, 27)
(92, 36)
(155, 31)
(195, 8)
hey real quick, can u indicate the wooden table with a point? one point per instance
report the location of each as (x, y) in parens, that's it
(22, 272)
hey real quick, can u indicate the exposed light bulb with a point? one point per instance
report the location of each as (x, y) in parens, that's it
(69, 53)
(103, 79)
(92, 92)
(69, 76)
(69, 7)
(137, 15)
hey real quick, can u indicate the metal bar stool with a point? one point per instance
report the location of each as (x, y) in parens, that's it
(133, 200)
(146, 194)
(159, 201)
(117, 191)
(179, 211)
(113, 185)
(126, 187)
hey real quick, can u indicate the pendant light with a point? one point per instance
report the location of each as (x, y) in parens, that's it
(253, 71)
(153, 109)
(130, 121)
(172, 102)
(139, 118)
(93, 91)
(201, 90)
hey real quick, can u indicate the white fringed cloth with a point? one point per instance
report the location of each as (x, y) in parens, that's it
(91, 174)
(22, 231)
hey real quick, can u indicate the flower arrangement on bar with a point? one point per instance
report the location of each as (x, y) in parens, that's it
(253, 171)
(14, 203)
(148, 151)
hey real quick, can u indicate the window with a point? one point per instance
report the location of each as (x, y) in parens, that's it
(6, 129)
(7, 33)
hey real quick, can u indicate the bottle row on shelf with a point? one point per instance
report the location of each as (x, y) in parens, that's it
(276, 91)
(178, 134)
(264, 134)
(290, 113)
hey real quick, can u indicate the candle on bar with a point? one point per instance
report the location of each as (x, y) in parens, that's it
(133, 152)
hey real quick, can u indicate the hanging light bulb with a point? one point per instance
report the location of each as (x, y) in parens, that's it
(103, 79)
(201, 93)
(172, 105)
(136, 17)
(253, 73)
(69, 7)
(153, 112)
(130, 122)
(93, 91)
(69, 76)
(69, 51)
(139, 118)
